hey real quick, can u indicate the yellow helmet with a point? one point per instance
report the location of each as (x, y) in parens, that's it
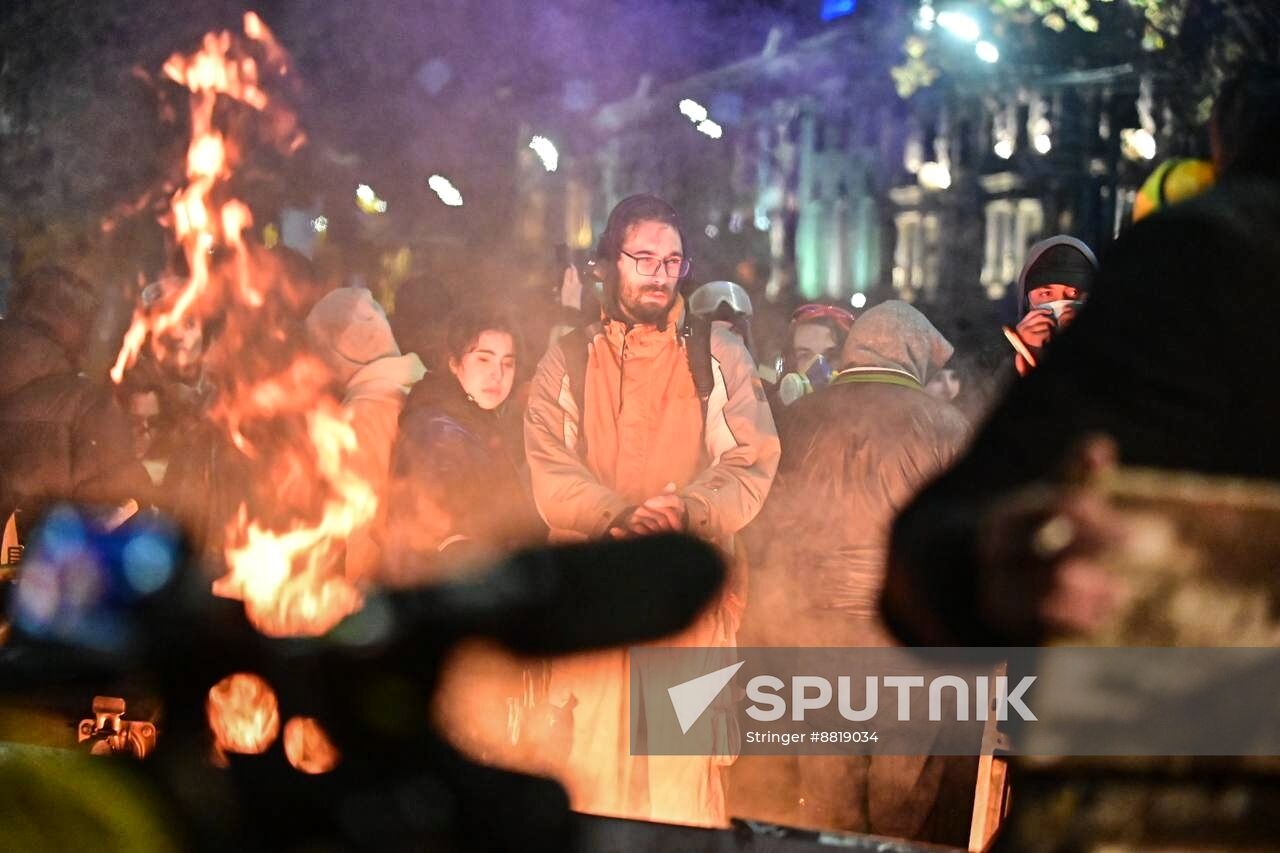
(1176, 179)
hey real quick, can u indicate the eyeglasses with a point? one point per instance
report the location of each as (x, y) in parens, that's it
(650, 266)
(813, 311)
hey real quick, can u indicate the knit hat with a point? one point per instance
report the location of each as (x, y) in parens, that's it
(349, 330)
(1058, 260)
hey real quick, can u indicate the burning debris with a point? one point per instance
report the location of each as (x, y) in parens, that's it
(244, 714)
(308, 747)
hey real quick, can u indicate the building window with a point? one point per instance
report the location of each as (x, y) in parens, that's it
(915, 257)
(1012, 225)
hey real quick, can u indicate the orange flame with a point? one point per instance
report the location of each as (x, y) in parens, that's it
(284, 547)
(285, 577)
(216, 70)
(308, 747)
(243, 714)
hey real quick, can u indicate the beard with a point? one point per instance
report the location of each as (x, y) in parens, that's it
(648, 313)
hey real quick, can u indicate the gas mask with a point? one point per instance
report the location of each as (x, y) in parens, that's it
(795, 385)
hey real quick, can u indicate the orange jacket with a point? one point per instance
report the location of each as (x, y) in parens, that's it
(645, 429)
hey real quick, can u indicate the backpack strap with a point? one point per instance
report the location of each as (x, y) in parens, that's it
(697, 348)
(576, 347)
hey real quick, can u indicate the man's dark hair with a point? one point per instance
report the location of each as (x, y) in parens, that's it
(146, 376)
(1246, 120)
(466, 326)
(625, 214)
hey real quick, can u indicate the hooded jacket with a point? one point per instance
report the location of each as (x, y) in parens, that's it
(1037, 252)
(62, 435)
(644, 429)
(852, 455)
(350, 332)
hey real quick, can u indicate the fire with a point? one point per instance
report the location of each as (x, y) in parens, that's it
(243, 714)
(284, 547)
(285, 577)
(307, 746)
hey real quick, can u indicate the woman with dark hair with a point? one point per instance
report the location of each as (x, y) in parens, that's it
(456, 488)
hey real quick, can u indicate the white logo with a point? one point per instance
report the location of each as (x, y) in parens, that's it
(691, 698)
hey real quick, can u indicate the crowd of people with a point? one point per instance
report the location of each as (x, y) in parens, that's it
(653, 414)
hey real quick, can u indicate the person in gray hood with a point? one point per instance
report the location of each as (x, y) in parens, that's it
(1054, 282)
(350, 333)
(853, 454)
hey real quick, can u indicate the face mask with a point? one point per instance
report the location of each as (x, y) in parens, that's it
(1058, 306)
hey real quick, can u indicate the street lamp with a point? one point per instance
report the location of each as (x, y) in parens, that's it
(546, 151)
(445, 190)
(960, 25)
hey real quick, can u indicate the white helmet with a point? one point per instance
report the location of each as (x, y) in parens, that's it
(707, 300)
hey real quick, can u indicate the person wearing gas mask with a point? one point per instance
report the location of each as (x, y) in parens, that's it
(1054, 283)
(811, 353)
(647, 421)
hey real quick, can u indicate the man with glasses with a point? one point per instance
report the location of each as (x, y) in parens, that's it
(647, 421)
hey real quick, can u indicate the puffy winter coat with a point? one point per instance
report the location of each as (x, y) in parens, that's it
(62, 435)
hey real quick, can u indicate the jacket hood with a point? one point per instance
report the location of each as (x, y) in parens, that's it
(386, 377)
(895, 336)
(1078, 257)
(350, 330)
(29, 355)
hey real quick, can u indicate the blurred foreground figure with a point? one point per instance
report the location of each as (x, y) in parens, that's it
(646, 422)
(350, 332)
(1169, 359)
(62, 434)
(98, 609)
(853, 454)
